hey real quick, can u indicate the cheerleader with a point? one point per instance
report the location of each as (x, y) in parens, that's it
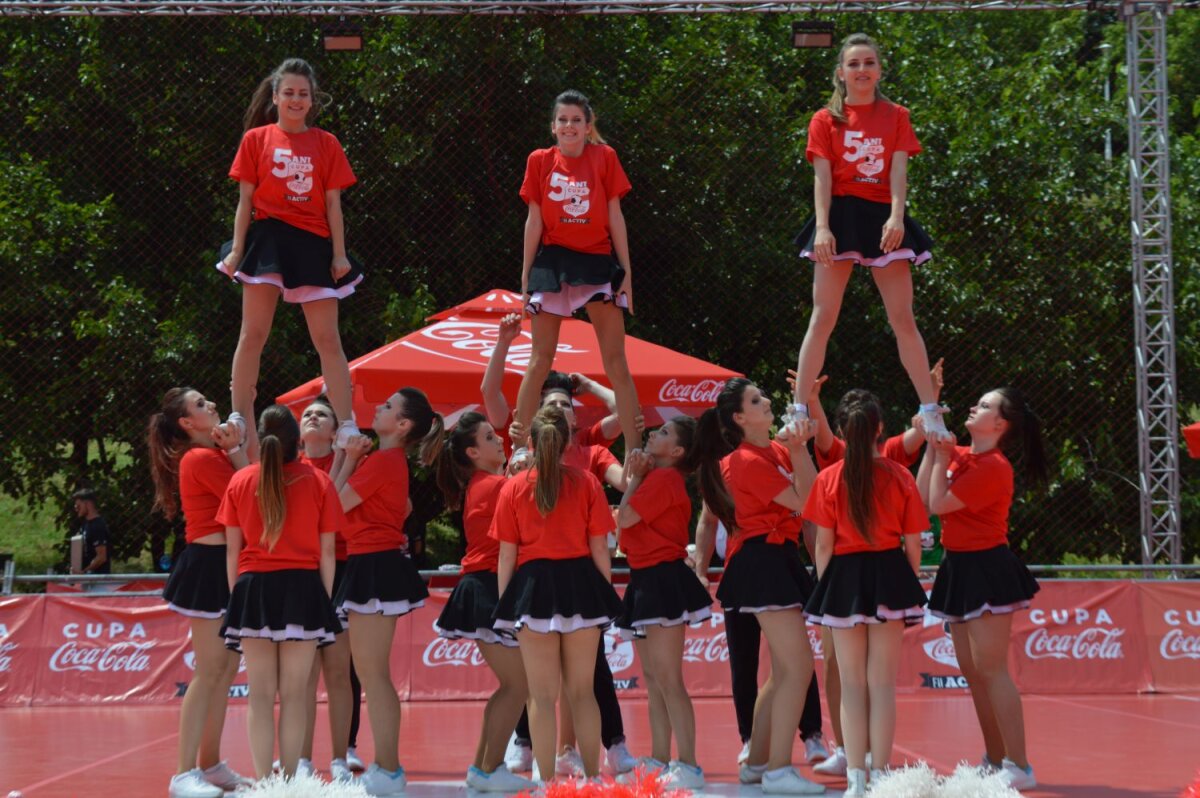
(318, 428)
(553, 575)
(280, 517)
(381, 583)
(981, 583)
(470, 472)
(757, 486)
(576, 253)
(288, 233)
(663, 593)
(864, 506)
(192, 458)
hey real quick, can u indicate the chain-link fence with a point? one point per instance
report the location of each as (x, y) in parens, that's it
(120, 132)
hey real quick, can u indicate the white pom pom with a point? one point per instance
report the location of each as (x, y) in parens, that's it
(976, 782)
(913, 781)
(276, 786)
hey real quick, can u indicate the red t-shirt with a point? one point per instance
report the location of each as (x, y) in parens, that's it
(893, 449)
(204, 475)
(596, 460)
(291, 173)
(581, 512)
(755, 475)
(984, 483)
(479, 508)
(898, 507)
(325, 463)
(666, 510)
(860, 149)
(313, 509)
(381, 481)
(573, 195)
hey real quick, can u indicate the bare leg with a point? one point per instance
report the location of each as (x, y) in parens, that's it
(322, 318)
(791, 671)
(989, 648)
(202, 716)
(883, 663)
(660, 719)
(335, 664)
(829, 285)
(504, 707)
(578, 672)
(258, 311)
(895, 286)
(371, 646)
(993, 741)
(852, 665)
(542, 658)
(666, 654)
(833, 684)
(262, 671)
(295, 664)
(609, 323)
(544, 327)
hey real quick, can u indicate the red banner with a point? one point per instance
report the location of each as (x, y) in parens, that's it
(1102, 637)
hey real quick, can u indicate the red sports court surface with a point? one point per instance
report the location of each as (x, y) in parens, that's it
(1093, 746)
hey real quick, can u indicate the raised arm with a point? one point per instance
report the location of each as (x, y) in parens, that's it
(495, 406)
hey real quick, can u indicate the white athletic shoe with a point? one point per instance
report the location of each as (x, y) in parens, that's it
(519, 755)
(786, 781)
(499, 780)
(744, 756)
(377, 781)
(682, 776)
(814, 749)
(876, 775)
(304, 767)
(193, 785)
(225, 777)
(340, 772)
(751, 774)
(933, 421)
(1018, 778)
(619, 759)
(643, 764)
(354, 761)
(987, 764)
(856, 783)
(345, 431)
(834, 765)
(568, 763)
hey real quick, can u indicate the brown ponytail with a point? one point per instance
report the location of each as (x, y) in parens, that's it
(549, 434)
(167, 442)
(279, 437)
(717, 434)
(428, 430)
(1022, 441)
(861, 429)
(262, 111)
(454, 468)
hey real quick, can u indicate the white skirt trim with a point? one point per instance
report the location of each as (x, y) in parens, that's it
(196, 613)
(556, 623)
(639, 627)
(291, 632)
(571, 298)
(998, 609)
(879, 263)
(479, 636)
(295, 296)
(377, 607)
(854, 620)
(772, 608)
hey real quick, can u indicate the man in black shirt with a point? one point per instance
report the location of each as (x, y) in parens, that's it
(94, 531)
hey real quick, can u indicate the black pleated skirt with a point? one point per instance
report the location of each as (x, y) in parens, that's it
(469, 611)
(562, 280)
(765, 576)
(558, 596)
(198, 586)
(280, 606)
(380, 583)
(867, 587)
(666, 594)
(857, 226)
(295, 261)
(971, 583)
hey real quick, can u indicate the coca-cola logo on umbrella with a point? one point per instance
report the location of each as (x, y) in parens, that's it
(704, 392)
(103, 648)
(1095, 636)
(1180, 643)
(473, 342)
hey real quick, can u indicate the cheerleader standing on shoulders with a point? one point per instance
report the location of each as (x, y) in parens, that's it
(663, 594)
(576, 254)
(280, 517)
(866, 507)
(859, 145)
(757, 487)
(318, 428)
(288, 234)
(981, 583)
(381, 583)
(192, 458)
(470, 472)
(553, 576)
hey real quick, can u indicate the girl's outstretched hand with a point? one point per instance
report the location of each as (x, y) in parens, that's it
(510, 328)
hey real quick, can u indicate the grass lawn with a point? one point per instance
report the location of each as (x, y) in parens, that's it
(32, 536)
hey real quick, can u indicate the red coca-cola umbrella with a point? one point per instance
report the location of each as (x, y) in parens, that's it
(447, 360)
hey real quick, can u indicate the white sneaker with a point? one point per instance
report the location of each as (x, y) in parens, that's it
(354, 761)
(340, 772)
(787, 781)
(619, 759)
(856, 783)
(499, 780)
(932, 419)
(988, 765)
(377, 781)
(225, 777)
(876, 775)
(345, 431)
(834, 765)
(568, 763)
(814, 748)
(644, 764)
(744, 756)
(304, 767)
(1017, 777)
(193, 785)
(519, 755)
(751, 774)
(682, 776)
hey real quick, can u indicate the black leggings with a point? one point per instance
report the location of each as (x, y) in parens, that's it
(743, 635)
(612, 730)
(356, 707)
